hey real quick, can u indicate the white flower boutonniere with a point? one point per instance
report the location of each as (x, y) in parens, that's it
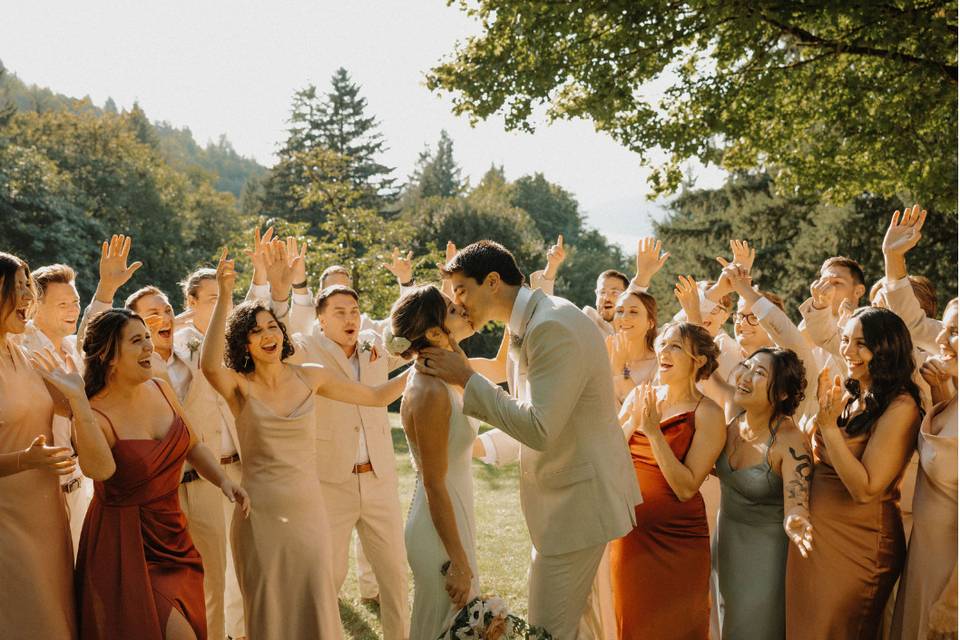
(367, 345)
(194, 346)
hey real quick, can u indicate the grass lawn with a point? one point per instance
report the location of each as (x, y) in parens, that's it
(503, 545)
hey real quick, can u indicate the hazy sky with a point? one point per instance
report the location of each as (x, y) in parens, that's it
(232, 67)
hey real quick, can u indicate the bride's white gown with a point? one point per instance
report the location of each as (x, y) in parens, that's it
(431, 604)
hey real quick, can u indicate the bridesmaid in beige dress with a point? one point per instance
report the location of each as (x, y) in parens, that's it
(927, 598)
(863, 441)
(282, 551)
(36, 555)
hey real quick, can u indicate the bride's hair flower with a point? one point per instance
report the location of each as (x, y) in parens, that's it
(394, 344)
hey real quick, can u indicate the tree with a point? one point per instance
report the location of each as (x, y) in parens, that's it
(553, 209)
(437, 173)
(833, 99)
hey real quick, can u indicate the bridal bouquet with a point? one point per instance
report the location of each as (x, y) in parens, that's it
(489, 619)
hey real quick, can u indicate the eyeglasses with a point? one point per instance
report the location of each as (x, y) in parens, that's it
(613, 293)
(749, 318)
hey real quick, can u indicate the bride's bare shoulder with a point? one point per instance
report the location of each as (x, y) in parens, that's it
(425, 390)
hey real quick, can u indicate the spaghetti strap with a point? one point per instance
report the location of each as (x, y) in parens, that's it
(164, 394)
(109, 422)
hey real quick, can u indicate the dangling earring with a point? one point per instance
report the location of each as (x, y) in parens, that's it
(246, 360)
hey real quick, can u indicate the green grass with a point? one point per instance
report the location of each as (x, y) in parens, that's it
(503, 545)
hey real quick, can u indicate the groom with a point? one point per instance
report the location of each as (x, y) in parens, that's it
(577, 485)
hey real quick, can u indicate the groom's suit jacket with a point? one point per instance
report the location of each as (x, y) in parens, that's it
(577, 485)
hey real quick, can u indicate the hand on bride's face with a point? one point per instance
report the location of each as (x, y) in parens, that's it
(451, 366)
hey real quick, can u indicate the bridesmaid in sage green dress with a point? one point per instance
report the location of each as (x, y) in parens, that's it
(763, 447)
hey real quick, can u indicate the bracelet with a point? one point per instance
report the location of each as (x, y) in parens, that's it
(408, 283)
(626, 372)
(300, 285)
(287, 299)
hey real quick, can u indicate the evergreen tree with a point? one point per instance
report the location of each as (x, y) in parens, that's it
(553, 209)
(437, 174)
(110, 106)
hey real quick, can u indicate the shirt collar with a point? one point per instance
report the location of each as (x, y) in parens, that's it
(519, 307)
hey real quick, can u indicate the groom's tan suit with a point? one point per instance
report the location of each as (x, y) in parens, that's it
(577, 486)
(365, 496)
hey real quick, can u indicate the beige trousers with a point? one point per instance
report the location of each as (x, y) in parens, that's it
(560, 588)
(366, 579)
(201, 502)
(372, 507)
(77, 502)
(232, 600)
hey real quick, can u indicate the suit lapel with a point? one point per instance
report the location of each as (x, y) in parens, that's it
(364, 359)
(517, 356)
(339, 357)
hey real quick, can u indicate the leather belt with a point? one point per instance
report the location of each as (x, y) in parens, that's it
(366, 467)
(70, 487)
(225, 460)
(189, 476)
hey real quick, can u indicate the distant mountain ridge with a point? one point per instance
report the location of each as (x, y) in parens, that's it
(226, 169)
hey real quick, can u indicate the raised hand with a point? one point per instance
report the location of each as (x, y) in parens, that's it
(226, 275)
(400, 266)
(688, 295)
(258, 254)
(279, 270)
(646, 414)
(38, 455)
(800, 532)
(618, 350)
(738, 277)
(66, 380)
(830, 398)
(236, 493)
(114, 271)
(903, 233)
(822, 290)
(297, 258)
(649, 260)
(844, 313)
(555, 257)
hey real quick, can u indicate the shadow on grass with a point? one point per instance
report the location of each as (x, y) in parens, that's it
(354, 625)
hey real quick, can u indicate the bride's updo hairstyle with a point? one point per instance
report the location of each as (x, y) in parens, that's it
(412, 315)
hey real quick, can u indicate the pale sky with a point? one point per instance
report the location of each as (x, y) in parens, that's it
(232, 67)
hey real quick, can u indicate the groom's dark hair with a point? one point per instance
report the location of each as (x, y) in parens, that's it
(482, 258)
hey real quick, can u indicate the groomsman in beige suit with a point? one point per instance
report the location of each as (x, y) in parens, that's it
(355, 461)
(577, 486)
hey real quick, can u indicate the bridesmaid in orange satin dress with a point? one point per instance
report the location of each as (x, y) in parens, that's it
(138, 573)
(36, 551)
(661, 569)
(864, 438)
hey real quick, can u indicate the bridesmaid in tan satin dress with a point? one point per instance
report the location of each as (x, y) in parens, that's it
(863, 442)
(282, 552)
(927, 598)
(36, 552)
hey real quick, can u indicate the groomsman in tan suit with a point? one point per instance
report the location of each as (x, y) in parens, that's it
(577, 485)
(355, 461)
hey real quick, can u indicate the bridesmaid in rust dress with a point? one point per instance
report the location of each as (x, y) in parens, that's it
(36, 553)
(661, 569)
(864, 439)
(138, 573)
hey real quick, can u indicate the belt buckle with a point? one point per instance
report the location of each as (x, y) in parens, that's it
(71, 486)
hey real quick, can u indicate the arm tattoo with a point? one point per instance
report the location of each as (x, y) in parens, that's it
(798, 489)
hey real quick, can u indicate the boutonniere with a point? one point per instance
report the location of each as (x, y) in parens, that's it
(194, 346)
(368, 346)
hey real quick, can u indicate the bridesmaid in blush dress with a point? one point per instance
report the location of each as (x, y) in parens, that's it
(282, 552)
(138, 573)
(927, 598)
(661, 569)
(864, 439)
(36, 552)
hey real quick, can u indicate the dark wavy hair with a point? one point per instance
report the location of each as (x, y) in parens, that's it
(414, 313)
(700, 344)
(482, 258)
(788, 380)
(891, 368)
(9, 265)
(242, 320)
(101, 343)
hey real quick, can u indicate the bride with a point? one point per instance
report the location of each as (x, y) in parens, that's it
(440, 532)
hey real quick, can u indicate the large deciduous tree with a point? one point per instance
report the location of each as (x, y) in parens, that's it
(830, 98)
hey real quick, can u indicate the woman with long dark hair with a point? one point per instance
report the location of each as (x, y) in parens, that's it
(36, 551)
(866, 430)
(138, 573)
(282, 551)
(764, 472)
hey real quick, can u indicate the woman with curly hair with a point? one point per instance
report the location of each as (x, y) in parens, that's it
(764, 472)
(661, 569)
(865, 432)
(138, 572)
(282, 551)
